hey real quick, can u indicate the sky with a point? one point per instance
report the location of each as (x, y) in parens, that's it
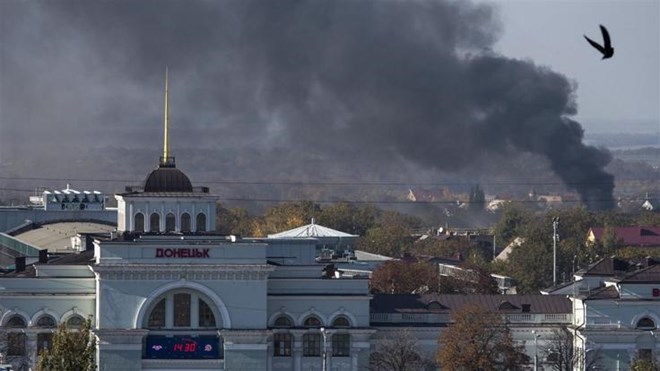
(357, 88)
(615, 95)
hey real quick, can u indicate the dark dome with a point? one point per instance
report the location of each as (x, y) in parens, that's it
(167, 179)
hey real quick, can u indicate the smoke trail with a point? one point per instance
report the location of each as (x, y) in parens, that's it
(345, 80)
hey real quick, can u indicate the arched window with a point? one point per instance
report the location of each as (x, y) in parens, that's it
(201, 222)
(139, 222)
(341, 345)
(341, 322)
(312, 321)
(46, 321)
(75, 322)
(645, 323)
(185, 223)
(154, 223)
(16, 337)
(16, 321)
(170, 223)
(181, 309)
(282, 321)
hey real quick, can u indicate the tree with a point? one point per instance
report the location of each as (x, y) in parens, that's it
(16, 340)
(399, 277)
(391, 235)
(479, 340)
(561, 355)
(399, 353)
(514, 218)
(71, 350)
(640, 363)
(348, 218)
(476, 199)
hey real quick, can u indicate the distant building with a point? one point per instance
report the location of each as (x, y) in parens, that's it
(628, 236)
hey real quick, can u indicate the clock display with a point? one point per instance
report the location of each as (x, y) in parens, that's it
(182, 347)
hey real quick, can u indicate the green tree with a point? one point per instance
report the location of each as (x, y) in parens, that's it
(390, 235)
(71, 350)
(511, 224)
(234, 221)
(479, 339)
(348, 218)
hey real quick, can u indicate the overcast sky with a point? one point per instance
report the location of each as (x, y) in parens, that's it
(618, 94)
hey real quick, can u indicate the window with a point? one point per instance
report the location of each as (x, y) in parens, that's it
(16, 322)
(46, 322)
(312, 322)
(154, 223)
(201, 222)
(311, 345)
(341, 345)
(282, 321)
(341, 322)
(157, 316)
(139, 222)
(170, 223)
(181, 309)
(206, 317)
(75, 322)
(282, 345)
(16, 344)
(645, 324)
(16, 340)
(44, 341)
(185, 222)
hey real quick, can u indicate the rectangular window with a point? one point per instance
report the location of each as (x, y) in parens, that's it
(182, 310)
(311, 345)
(341, 345)
(282, 345)
(16, 344)
(44, 341)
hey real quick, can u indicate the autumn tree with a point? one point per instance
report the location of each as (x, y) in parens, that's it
(71, 350)
(346, 217)
(399, 277)
(399, 353)
(479, 339)
(286, 216)
(641, 363)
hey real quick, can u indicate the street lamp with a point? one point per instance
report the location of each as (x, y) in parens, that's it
(323, 332)
(536, 353)
(555, 223)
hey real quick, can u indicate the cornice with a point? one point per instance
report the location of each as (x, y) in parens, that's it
(198, 272)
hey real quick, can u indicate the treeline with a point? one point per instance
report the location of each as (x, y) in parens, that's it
(396, 234)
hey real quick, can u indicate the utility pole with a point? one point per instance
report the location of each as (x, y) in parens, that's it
(555, 223)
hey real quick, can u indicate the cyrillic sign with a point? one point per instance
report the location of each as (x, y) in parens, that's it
(182, 253)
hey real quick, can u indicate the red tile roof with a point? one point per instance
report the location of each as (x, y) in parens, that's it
(633, 236)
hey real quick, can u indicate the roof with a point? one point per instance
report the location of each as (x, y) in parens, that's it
(167, 178)
(311, 230)
(606, 267)
(398, 303)
(645, 275)
(56, 237)
(367, 256)
(606, 292)
(632, 236)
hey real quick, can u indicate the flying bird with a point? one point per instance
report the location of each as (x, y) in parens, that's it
(606, 49)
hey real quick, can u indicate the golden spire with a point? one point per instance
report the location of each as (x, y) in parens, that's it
(166, 139)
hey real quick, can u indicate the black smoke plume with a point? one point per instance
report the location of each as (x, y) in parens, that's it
(353, 83)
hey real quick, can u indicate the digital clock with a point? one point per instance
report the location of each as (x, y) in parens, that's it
(182, 347)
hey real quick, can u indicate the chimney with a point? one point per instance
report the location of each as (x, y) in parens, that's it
(43, 256)
(19, 263)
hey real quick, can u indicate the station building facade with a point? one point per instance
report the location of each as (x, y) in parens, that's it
(166, 292)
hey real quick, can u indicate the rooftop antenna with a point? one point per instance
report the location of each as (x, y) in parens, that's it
(166, 160)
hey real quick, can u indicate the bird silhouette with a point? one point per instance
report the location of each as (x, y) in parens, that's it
(606, 49)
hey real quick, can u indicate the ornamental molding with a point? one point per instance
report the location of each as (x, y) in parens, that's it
(197, 272)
